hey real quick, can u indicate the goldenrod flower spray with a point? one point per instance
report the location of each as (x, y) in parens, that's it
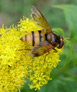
(17, 66)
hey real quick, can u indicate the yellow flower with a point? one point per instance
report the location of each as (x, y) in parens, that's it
(13, 67)
(17, 65)
(39, 71)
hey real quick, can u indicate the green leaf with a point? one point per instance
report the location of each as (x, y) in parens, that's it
(58, 31)
(70, 12)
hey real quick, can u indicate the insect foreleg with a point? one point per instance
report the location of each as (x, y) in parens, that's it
(23, 49)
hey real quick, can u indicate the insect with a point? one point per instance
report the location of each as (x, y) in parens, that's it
(42, 40)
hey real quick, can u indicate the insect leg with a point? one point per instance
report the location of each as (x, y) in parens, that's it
(23, 49)
(54, 50)
(45, 56)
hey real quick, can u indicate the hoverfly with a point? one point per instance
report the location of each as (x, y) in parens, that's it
(43, 40)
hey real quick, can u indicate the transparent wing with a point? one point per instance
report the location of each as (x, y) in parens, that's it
(40, 49)
(39, 19)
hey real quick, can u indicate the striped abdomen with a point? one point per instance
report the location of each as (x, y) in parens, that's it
(34, 37)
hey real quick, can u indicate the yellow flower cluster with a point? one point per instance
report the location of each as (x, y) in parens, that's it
(17, 65)
(13, 67)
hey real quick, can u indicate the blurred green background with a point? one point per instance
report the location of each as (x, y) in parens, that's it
(59, 14)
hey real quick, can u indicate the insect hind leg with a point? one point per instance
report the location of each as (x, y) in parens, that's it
(55, 50)
(45, 56)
